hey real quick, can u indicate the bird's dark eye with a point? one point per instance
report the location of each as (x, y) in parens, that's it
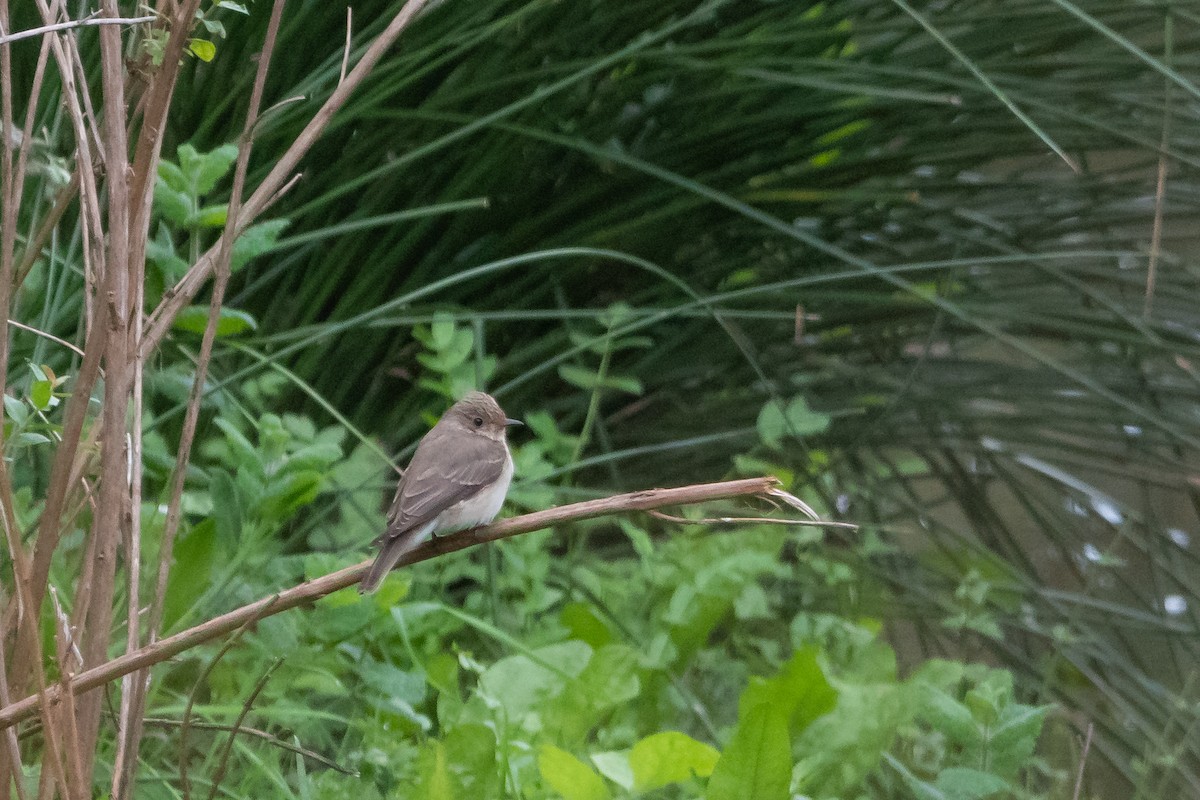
(479, 422)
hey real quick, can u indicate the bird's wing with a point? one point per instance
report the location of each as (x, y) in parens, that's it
(437, 479)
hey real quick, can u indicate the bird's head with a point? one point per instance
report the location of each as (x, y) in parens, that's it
(479, 413)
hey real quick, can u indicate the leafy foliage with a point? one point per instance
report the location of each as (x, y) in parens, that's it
(834, 242)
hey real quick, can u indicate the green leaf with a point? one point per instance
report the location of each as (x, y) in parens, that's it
(588, 380)
(227, 509)
(615, 766)
(1014, 737)
(202, 49)
(230, 322)
(170, 173)
(41, 393)
(569, 776)
(670, 757)
(209, 217)
(161, 252)
(232, 6)
(777, 421)
(255, 241)
(204, 170)
(758, 761)
(800, 691)
(214, 27)
(195, 553)
(948, 716)
(962, 783)
(29, 438)
(175, 205)
(296, 490)
(15, 409)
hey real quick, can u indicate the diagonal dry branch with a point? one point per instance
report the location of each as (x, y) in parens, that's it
(317, 588)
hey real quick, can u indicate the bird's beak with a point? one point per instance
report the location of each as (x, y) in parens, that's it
(508, 423)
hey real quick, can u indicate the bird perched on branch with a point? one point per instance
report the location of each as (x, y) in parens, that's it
(457, 479)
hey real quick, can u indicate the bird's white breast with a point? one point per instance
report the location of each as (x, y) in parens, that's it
(481, 507)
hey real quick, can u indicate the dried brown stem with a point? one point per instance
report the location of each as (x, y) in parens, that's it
(133, 699)
(317, 588)
(94, 619)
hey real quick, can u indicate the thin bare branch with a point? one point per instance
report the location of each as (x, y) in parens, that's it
(49, 336)
(73, 23)
(812, 523)
(317, 588)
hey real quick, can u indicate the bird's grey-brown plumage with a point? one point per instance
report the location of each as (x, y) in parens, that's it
(457, 479)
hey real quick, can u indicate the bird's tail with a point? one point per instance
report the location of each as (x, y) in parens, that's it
(391, 550)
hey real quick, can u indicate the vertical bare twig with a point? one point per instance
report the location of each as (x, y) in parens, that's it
(95, 619)
(13, 750)
(19, 611)
(133, 703)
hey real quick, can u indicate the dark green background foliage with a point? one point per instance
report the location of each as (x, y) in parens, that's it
(826, 241)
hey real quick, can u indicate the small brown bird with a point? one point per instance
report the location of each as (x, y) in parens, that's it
(457, 479)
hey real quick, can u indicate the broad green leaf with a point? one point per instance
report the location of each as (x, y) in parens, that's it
(205, 170)
(521, 684)
(175, 205)
(569, 776)
(202, 49)
(670, 757)
(195, 554)
(800, 691)
(232, 6)
(757, 763)
(471, 759)
(777, 421)
(1013, 738)
(173, 176)
(442, 331)
(209, 217)
(948, 716)
(41, 393)
(588, 380)
(255, 241)
(296, 490)
(615, 766)
(434, 778)
(584, 625)
(29, 438)
(15, 409)
(213, 26)
(231, 321)
(962, 783)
